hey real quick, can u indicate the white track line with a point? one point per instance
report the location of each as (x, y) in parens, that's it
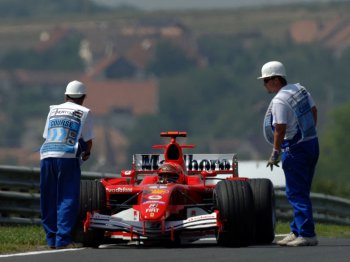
(74, 249)
(40, 252)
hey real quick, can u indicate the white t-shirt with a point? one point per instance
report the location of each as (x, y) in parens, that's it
(65, 125)
(283, 114)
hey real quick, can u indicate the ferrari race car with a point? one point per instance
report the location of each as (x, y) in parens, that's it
(177, 198)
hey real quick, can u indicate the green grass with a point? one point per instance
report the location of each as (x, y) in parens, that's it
(322, 230)
(30, 238)
(21, 238)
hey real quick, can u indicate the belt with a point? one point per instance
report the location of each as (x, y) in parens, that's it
(286, 149)
(290, 142)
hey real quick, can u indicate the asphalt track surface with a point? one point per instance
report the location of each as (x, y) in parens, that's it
(328, 250)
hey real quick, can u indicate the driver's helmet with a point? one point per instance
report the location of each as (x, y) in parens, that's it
(170, 173)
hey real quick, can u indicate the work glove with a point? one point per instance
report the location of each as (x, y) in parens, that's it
(82, 146)
(274, 159)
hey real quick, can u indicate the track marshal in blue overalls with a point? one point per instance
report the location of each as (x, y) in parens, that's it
(290, 127)
(68, 138)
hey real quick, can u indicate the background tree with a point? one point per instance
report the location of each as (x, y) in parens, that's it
(169, 60)
(333, 167)
(63, 56)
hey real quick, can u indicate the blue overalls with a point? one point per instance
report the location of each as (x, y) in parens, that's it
(298, 163)
(63, 174)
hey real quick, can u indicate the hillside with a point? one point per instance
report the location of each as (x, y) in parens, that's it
(273, 23)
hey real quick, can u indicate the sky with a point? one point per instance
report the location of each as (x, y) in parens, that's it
(202, 4)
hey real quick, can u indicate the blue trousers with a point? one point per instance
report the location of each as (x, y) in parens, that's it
(59, 198)
(299, 164)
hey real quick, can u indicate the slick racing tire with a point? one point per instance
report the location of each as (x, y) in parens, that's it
(92, 198)
(234, 201)
(264, 206)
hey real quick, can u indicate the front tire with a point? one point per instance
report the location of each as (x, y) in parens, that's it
(92, 198)
(264, 205)
(234, 200)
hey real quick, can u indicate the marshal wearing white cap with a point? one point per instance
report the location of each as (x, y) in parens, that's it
(68, 135)
(290, 127)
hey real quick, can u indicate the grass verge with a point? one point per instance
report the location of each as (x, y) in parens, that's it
(322, 230)
(21, 238)
(31, 238)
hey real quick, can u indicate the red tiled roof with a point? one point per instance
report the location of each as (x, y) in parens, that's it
(305, 31)
(102, 65)
(341, 38)
(141, 53)
(54, 36)
(138, 54)
(334, 33)
(140, 97)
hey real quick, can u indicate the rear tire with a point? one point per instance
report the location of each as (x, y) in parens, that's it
(92, 198)
(264, 205)
(234, 200)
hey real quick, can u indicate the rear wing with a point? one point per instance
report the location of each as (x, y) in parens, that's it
(195, 163)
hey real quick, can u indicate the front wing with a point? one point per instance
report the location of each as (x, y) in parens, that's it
(150, 229)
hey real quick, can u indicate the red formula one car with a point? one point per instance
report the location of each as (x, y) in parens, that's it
(175, 197)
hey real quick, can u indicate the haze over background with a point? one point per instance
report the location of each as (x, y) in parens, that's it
(191, 67)
(204, 4)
